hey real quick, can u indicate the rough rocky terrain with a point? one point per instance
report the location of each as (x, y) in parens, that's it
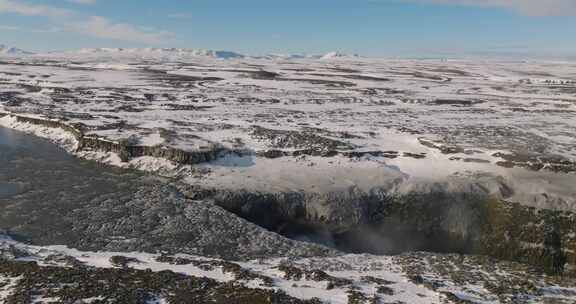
(300, 158)
(58, 199)
(56, 274)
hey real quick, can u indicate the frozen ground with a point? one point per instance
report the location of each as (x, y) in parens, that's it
(411, 278)
(316, 125)
(362, 155)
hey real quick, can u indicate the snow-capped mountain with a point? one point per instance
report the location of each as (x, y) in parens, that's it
(283, 56)
(327, 56)
(155, 53)
(6, 50)
(186, 53)
(338, 55)
(167, 54)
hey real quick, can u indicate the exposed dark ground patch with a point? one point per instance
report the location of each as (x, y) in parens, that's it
(128, 286)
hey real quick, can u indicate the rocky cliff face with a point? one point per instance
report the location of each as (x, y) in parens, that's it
(441, 221)
(123, 148)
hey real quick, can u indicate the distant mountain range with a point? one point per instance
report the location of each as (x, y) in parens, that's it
(167, 53)
(327, 56)
(6, 50)
(183, 53)
(338, 55)
(159, 52)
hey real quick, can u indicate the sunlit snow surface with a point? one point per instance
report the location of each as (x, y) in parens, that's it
(427, 124)
(403, 107)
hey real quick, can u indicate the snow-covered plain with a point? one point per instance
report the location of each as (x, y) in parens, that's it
(321, 126)
(401, 124)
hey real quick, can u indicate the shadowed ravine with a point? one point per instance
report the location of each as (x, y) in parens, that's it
(439, 221)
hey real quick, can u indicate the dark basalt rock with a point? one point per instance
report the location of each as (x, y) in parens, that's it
(129, 286)
(331, 153)
(445, 149)
(458, 102)
(438, 221)
(296, 274)
(452, 298)
(414, 155)
(283, 139)
(122, 261)
(375, 280)
(357, 297)
(179, 107)
(470, 160)
(536, 162)
(12, 253)
(262, 74)
(227, 267)
(127, 151)
(66, 260)
(385, 290)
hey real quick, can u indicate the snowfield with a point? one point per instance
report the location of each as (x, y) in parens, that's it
(270, 174)
(299, 124)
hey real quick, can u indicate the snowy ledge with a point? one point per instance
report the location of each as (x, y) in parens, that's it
(102, 150)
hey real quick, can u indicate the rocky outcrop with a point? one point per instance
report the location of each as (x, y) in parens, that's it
(49, 123)
(310, 140)
(127, 151)
(273, 153)
(535, 162)
(124, 149)
(535, 236)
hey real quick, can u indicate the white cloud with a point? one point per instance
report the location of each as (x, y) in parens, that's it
(180, 16)
(101, 27)
(82, 1)
(29, 30)
(526, 7)
(95, 26)
(9, 6)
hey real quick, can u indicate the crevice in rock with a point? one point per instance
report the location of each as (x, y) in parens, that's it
(377, 223)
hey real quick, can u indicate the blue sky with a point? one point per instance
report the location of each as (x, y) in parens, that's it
(367, 27)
